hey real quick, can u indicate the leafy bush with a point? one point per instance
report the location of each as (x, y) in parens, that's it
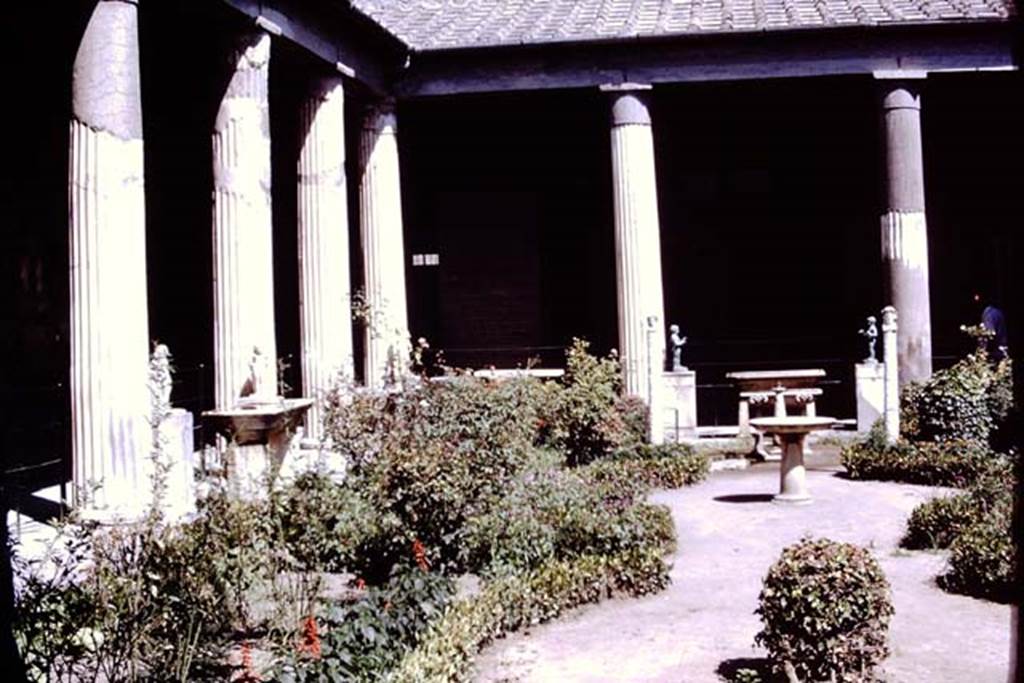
(556, 515)
(320, 522)
(140, 600)
(428, 458)
(982, 559)
(826, 608)
(593, 419)
(937, 522)
(964, 402)
(662, 466)
(366, 639)
(942, 463)
(446, 652)
(977, 528)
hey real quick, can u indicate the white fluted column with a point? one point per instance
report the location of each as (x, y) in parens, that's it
(107, 240)
(904, 228)
(380, 224)
(324, 297)
(637, 236)
(243, 262)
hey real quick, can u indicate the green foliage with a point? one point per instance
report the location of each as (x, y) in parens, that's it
(429, 457)
(982, 559)
(558, 514)
(138, 600)
(663, 466)
(826, 608)
(941, 463)
(964, 402)
(367, 638)
(446, 652)
(593, 418)
(937, 522)
(320, 522)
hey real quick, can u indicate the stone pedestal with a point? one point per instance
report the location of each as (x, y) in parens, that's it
(637, 235)
(260, 436)
(109, 331)
(870, 382)
(792, 432)
(178, 439)
(243, 261)
(324, 292)
(380, 224)
(680, 392)
(904, 228)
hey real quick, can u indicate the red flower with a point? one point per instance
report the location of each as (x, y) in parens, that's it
(419, 552)
(248, 675)
(360, 584)
(310, 643)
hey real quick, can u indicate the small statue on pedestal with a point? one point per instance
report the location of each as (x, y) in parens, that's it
(871, 334)
(260, 384)
(677, 348)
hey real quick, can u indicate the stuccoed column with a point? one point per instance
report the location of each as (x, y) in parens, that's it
(243, 262)
(107, 239)
(637, 235)
(380, 225)
(324, 296)
(904, 228)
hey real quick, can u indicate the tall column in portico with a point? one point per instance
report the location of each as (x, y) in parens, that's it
(107, 240)
(243, 267)
(637, 237)
(324, 298)
(904, 229)
(380, 225)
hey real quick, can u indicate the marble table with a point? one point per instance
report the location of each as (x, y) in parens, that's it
(260, 434)
(792, 432)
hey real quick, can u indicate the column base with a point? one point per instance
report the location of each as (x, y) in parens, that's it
(792, 499)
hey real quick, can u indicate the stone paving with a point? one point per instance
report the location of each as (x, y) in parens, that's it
(729, 533)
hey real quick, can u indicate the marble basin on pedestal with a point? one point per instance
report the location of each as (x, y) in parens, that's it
(792, 432)
(260, 434)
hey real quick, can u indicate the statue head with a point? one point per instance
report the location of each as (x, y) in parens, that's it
(674, 329)
(871, 319)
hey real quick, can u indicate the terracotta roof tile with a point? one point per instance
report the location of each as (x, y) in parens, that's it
(441, 24)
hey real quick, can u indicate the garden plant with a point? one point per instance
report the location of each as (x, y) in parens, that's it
(531, 492)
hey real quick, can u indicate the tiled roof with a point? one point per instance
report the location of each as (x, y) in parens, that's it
(442, 24)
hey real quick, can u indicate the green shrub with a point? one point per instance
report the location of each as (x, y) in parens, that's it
(429, 457)
(320, 522)
(826, 608)
(937, 522)
(964, 402)
(446, 653)
(556, 515)
(982, 559)
(943, 463)
(366, 639)
(593, 418)
(142, 599)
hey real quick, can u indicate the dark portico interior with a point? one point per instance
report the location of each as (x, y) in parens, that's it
(769, 193)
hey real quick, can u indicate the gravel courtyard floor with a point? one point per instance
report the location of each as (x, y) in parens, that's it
(702, 627)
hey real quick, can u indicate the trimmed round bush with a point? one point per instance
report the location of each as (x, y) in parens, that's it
(826, 608)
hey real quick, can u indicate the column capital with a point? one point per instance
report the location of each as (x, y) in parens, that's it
(380, 117)
(900, 94)
(629, 103)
